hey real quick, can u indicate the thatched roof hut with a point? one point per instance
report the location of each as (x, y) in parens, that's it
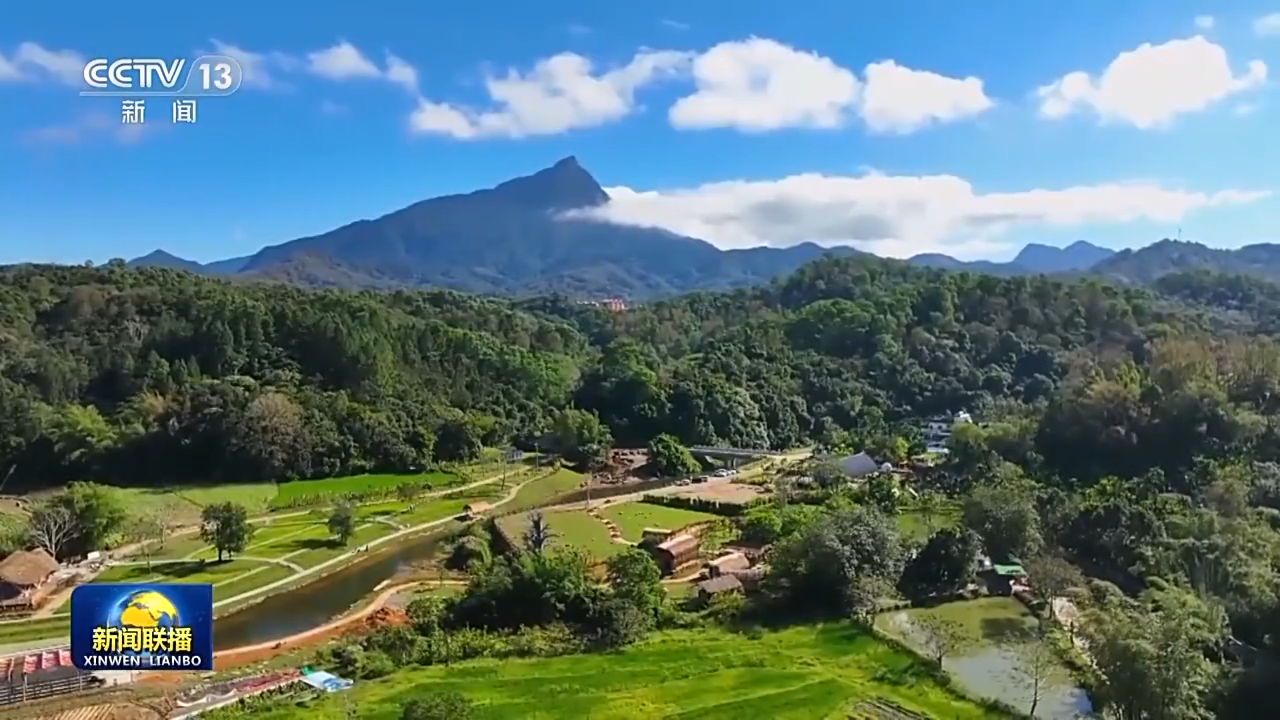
(27, 568)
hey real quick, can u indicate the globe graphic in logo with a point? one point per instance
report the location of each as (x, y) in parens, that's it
(144, 609)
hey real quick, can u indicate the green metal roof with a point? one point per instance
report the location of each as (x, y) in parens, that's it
(1009, 570)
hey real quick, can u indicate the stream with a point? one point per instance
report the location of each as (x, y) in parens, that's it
(317, 602)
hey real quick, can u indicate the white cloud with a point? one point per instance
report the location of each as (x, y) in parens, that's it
(256, 68)
(758, 85)
(1267, 25)
(9, 70)
(1149, 86)
(33, 62)
(896, 216)
(560, 93)
(341, 62)
(902, 100)
(675, 25)
(345, 61)
(86, 128)
(1205, 22)
(401, 73)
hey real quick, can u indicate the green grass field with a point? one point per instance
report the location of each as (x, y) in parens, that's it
(330, 550)
(239, 575)
(178, 572)
(572, 528)
(292, 492)
(250, 581)
(917, 527)
(254, 496)
(545, 488)
(633, 517)
(803, 673)
(177, 547)
(29, 631)
(183, 504)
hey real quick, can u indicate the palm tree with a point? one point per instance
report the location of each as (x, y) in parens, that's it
(538, 535)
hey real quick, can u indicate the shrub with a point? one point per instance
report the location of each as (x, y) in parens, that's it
(713, 507)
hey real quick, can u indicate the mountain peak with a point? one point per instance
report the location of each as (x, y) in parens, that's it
(563, 186)
(164, 259)
(1079, 255)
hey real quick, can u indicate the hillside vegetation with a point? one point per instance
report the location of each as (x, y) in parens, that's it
(158, 376)
(1135, 435)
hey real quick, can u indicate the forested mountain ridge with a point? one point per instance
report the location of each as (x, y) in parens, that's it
(151, 375)
(1135, 433)
(1146, 265)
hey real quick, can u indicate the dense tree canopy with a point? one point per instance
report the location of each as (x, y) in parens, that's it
(152, 375)
(1132, 434)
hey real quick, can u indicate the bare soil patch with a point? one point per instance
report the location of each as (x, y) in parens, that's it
(729, 492)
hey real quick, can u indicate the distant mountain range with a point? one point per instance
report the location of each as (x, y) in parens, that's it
(513, 239)
(1033, 259)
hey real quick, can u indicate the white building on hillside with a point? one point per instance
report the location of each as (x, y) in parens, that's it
(938, 430)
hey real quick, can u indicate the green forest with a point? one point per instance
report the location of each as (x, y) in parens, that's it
(1137, 432)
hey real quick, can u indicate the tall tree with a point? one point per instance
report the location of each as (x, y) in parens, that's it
(226, 527)
(1036, 663)
(1150, 655)
(941, 636)
(1004, 515)
(342, 522)
(944, 565)
(538, 535)
(51, 526)
(636, 578)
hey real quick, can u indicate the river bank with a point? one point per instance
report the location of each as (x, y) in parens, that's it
(278, 609)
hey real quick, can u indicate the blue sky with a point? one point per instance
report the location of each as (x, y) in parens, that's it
(914, 126)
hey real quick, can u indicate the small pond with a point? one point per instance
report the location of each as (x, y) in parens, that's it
(997, 629)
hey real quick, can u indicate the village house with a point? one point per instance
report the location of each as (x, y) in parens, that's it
(476, 509)
(738, 565)
(749, 577)
(676, 552)
(24, 580)
(726, 564)
(715, 587)
(938, 430)
(1003, 579)
(654, 535)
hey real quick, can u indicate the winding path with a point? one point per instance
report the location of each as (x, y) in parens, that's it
(131, 548)
(511, 495)
(274, 561)
(321, 567)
